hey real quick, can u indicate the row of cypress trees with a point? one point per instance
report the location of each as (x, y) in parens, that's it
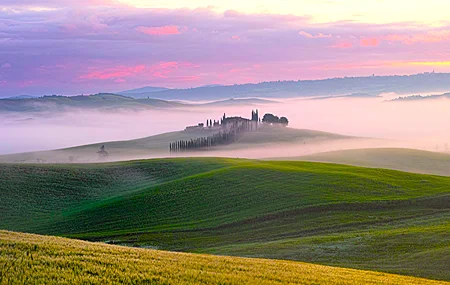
(229, 134)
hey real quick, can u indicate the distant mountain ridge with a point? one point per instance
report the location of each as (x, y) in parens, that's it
(144, 92)
(369, 86)
(146, 89)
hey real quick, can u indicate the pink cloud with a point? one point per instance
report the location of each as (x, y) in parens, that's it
(159, 31)
(138, 37)
(370, 42)
(339, 66)
(342, 45)
(164, 69)
(311, 36)
(429, 37)
(169, 64)
(119, 73)
(113, 73)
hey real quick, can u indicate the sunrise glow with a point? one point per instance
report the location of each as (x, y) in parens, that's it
(108, 45)
(433, 12)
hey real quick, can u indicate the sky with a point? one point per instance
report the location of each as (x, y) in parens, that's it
(88, 46)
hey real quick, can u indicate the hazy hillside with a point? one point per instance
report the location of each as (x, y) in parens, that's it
(147, 89)
(20, 97)
(142, 93)
(393, 158)
(51, 260)
(369, 86)
(107, 102)
(337, 215)
(158, 145)
(421, 97)
(273, 134)
(353, 95)
(110, 102)
(237, 102)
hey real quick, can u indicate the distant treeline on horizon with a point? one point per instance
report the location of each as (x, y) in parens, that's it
(367, 86)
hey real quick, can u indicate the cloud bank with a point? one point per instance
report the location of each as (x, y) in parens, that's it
(93, 46)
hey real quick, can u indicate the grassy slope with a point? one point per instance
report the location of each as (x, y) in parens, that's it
(30, 193)
(29, 258)
(157, 146)
(331, 214)
(275, 134)
(392, 158)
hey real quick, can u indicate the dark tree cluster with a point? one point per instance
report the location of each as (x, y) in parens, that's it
(274, 120)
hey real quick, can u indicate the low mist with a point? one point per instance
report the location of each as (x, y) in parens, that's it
(422, 124)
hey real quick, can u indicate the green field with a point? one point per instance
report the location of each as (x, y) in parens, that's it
(329, 214)
(410, 160)
(33, 259)
(158, 145)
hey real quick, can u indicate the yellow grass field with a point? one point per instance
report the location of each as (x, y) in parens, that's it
(34, 259)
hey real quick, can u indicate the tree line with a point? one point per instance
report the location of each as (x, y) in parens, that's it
(231, 132)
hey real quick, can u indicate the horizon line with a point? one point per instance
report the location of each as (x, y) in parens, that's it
(218, 85)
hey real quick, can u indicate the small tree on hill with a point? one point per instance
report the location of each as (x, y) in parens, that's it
(284, 121)
(270, 119)
(102, 153)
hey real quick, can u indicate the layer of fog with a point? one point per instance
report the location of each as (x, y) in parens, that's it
(421, 124)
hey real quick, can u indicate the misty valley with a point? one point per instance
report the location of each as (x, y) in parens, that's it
(133, 176)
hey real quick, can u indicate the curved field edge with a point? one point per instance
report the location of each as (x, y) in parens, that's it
(27, 258)
(255, 190)
(410, 160)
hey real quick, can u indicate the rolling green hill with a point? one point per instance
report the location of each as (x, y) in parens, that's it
(321, 213)
(410, 160)
(158, 146)
(37, 259)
